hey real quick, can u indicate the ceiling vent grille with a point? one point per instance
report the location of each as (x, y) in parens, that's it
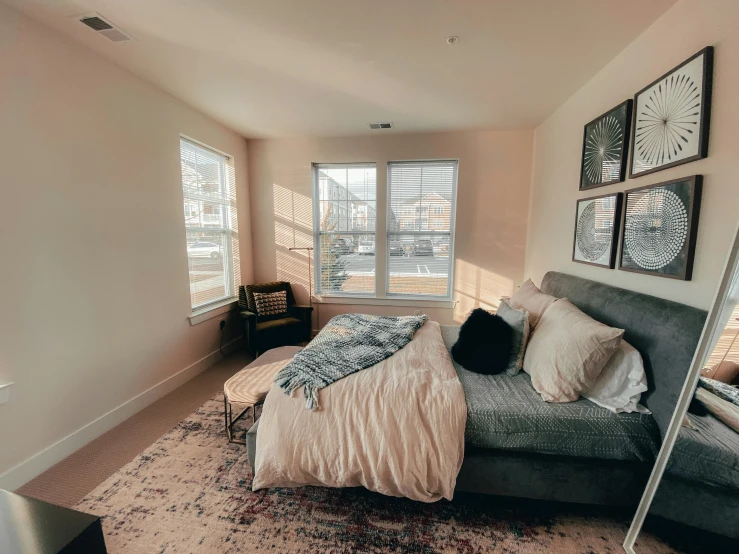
(101, 25)
(380, 125)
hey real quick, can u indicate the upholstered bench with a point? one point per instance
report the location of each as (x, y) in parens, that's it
(249, 387)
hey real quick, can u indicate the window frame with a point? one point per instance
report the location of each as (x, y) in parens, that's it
(227, 231)
(448, 297)
(317, 233)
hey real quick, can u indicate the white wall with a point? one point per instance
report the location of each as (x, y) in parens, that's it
(492, 203)
(94, 293)
(683, 30)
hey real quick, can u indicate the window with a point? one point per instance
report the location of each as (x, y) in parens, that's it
(209, 193)
(416, 189)
(344, 239)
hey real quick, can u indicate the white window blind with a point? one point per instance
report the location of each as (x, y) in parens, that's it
(345, 208)
(209, 193)
(420, 227)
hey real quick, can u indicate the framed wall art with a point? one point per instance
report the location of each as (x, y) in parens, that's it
(597, 222)
(672, 117)
(660, 225)
(604, 147)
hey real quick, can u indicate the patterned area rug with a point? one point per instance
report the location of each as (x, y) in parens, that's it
(189, 492)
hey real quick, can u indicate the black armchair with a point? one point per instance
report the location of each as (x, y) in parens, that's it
(263, 334)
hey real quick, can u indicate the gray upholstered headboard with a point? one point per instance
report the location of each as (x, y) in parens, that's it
(665, 333)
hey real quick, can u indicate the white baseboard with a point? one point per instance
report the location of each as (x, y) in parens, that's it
(22, 473)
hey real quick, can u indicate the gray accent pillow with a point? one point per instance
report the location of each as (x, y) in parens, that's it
(519, 322)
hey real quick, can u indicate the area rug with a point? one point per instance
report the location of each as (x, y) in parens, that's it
(189, 492)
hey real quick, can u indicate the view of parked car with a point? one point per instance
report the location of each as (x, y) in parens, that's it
(396, 248)
(423, 247)
(204, 250)
(342, 246)
(366, 247)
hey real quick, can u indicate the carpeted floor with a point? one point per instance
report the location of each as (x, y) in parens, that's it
(189, 492)
(68, 481)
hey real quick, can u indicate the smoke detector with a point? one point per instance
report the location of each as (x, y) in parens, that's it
(99, 24)
(380, 125)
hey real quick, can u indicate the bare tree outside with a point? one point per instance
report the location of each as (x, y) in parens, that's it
(333, 267)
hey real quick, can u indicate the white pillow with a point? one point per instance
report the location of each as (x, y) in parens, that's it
(620, 384)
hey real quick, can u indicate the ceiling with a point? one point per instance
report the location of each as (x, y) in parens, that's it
(269, 68)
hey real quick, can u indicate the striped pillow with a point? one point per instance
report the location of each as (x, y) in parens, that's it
(271, 303)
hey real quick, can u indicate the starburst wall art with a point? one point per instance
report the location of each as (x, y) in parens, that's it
(596, 230)
(604, 147)
(672, 116)
(660, 228)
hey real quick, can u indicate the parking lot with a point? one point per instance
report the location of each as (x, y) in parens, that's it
(412, 265)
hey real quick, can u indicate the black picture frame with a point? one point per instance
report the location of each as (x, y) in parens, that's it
(688, 191)
(611, 248)
(639, 129)
(621, 116)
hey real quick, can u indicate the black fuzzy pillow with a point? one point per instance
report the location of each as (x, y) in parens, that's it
(484, 343)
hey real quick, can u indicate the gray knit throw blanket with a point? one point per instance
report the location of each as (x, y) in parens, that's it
(347, 344)
(722, 390)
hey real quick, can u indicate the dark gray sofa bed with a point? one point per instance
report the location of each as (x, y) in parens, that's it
(700, 486)
(518, 445)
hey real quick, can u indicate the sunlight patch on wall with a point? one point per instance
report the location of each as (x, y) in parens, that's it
(293, 267)
(289, 237)
(293, 207)
(293, 229)
(477, 288)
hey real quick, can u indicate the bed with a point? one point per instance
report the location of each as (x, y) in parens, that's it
(517, 445)
(703, 471)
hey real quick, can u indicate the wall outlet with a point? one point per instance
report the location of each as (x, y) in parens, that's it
(222, 324)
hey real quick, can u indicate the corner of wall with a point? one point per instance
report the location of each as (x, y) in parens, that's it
(526, 265)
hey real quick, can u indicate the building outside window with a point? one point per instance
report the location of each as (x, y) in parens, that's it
(419, 234)
(345, 209)
(415, 190)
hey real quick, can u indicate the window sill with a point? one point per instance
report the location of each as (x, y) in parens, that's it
(213, 310)
(399, 301)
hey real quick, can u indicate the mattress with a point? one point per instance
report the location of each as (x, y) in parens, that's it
(708, 454)
(505, 412)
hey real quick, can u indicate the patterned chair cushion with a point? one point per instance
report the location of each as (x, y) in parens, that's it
(271, 304)
(246, 293)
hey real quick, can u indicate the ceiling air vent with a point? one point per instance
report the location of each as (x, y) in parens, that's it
(101, 25)
(380, 125)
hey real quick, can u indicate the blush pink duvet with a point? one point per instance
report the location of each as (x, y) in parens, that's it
(396, 428)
